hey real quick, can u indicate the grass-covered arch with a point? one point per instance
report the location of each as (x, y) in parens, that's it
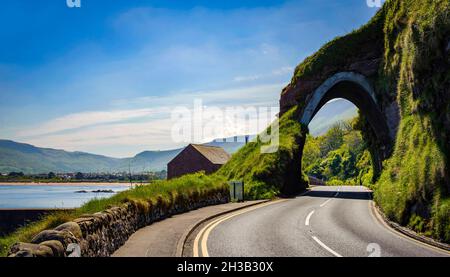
(404, 52)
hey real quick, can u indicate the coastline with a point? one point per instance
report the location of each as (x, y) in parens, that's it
(66, 184)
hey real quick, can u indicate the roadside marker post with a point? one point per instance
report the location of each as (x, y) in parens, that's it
(237, 191)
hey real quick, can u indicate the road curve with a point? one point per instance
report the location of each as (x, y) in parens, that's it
(325, 222)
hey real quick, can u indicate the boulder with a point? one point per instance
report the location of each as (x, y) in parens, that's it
(71, 227)
(65, 237)
(30, 250)
(56, 246)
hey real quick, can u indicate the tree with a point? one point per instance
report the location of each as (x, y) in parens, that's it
(334, 163)
(51, 175)
(16, 174)
(355, 143)
(79, 176)
(333, 139)
(341, 155)
(311, 151)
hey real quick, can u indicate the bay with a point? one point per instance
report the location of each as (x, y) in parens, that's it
(52, 196)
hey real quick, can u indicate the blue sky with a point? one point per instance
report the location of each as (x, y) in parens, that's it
(103, 78)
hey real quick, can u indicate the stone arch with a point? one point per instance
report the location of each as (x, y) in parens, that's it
(353, 87)
(313, 104)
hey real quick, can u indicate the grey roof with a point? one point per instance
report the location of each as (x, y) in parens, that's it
(214, 154)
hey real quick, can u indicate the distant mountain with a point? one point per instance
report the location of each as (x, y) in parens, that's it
(332, 112)
(20, 157)
(29, 159)
(147, 161)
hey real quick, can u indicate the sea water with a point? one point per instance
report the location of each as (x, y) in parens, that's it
(52, 196)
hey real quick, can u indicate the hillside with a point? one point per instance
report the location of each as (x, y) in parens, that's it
(411, 41)
(32, 160)
(332, 112)
(20, 157)
(147, 161)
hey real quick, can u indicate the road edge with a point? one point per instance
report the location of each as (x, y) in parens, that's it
(182, 241)
(407, 232)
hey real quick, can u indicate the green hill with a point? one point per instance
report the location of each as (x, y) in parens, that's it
(330, 114)
(413, 187)
(29, 159)
(26, 158)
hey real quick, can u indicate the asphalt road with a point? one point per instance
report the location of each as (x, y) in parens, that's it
(325, 222)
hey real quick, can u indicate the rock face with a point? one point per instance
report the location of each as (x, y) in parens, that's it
(100, 234)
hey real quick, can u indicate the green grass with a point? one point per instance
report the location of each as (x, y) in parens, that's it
(340, 50)
(264, 175)
(195, 187)
(409, 183)
(413, 188)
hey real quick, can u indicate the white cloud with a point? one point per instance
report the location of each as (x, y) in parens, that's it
(285, 70)
(151, 135)
(153, 51)
(149, 127)
(266, 94)
(247, 78)
(79, 120)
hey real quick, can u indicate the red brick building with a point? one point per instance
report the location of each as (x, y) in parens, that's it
(195, 158)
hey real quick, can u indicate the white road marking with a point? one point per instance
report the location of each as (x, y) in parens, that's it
(326, 247)
(201, 240)
(308, 218)
(326, 202)
(337, 193)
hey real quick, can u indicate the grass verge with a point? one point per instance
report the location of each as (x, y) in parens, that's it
(265, 174)
(194, 186)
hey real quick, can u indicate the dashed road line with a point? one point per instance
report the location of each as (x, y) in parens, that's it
(323, 245)
(308, 218)
(326, 202)
(326, 247)
(201, 240)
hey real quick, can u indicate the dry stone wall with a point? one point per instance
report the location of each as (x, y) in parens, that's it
(100, 234)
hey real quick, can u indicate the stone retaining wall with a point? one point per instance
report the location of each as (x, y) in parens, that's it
(100, 234)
